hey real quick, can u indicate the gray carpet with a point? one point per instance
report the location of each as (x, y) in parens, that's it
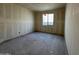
(36, 43)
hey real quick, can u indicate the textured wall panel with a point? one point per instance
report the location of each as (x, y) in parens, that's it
(72, 28)
(15, 19)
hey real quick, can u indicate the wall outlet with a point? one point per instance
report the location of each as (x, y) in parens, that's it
(19, 32)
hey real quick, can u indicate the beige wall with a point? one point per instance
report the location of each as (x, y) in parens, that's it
(72, 28)
(57, 28)
(14, 19)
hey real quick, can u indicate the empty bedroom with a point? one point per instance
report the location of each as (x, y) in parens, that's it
(36, 29)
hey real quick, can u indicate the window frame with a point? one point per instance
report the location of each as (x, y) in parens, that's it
(47, 20)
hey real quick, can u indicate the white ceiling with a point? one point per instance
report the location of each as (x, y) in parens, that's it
(42, 6)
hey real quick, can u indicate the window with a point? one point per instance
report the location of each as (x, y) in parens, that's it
(48, 19)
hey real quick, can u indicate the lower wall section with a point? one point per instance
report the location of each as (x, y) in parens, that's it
(18, 28)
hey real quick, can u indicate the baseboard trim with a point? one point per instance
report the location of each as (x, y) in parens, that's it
(50, 33)
(27, 34)
(14, 38)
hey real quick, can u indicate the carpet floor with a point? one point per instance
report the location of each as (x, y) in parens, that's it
(36, 43)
